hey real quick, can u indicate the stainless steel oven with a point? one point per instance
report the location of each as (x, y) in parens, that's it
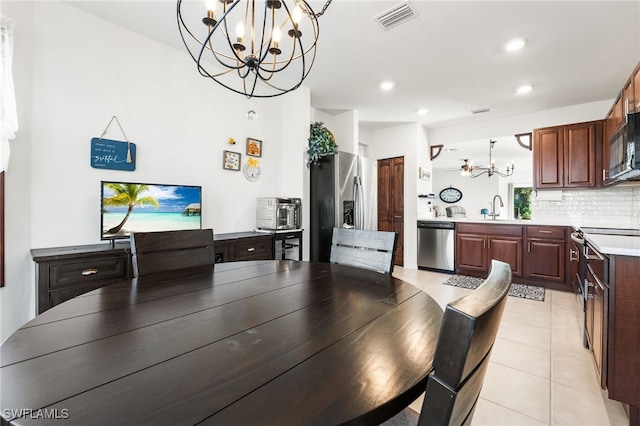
(274, 213)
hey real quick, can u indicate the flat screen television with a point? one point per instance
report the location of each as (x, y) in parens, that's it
(127, 207)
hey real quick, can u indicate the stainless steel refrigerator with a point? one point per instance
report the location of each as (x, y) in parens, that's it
(343, 194)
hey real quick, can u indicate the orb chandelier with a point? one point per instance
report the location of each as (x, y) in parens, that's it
(469, 170)
(258, 48)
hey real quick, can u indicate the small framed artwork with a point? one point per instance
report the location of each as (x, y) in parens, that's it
(254, 147)
(424, 174)
(231, 160)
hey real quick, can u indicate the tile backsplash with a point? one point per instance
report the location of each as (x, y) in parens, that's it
(616, 207)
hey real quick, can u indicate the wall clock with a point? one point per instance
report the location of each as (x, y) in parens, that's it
(450, 195)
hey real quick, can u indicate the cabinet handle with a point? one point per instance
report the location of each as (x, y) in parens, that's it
(251, 249)
(89, 271)
(573, 255)
(529, 247)
(604, 174)
(544, 232)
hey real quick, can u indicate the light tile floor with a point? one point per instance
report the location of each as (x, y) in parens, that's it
(539, 374)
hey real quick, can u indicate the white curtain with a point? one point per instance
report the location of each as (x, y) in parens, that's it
(8, 112)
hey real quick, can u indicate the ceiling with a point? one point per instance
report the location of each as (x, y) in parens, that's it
(449, 59)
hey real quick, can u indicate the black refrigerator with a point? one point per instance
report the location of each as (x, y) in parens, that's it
(343, 194)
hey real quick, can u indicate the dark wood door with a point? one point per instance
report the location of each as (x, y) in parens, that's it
(391, 201)
(548, 157)
(471, 254)
(507, 250)
(580, 155)
(546, 260)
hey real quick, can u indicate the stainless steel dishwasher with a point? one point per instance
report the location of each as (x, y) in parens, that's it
(436, 245)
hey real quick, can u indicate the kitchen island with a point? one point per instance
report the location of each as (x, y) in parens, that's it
(612, 315)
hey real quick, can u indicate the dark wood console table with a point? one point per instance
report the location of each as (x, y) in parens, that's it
(65, 272)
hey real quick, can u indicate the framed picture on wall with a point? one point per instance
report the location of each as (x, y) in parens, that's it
(254, 147)
(424, 174)
(231, 160)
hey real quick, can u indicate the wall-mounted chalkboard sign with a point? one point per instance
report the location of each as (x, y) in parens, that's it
(110, 154)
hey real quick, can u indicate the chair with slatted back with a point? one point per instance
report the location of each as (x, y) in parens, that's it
(364, 249)
(467, 334)
(173, 253)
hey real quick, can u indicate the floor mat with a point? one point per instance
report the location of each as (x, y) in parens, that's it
(525, 291)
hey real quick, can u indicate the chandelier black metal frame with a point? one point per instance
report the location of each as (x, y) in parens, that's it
(468, 168)
(274, 57)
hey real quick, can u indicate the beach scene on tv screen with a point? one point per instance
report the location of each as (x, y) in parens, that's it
(131, 207)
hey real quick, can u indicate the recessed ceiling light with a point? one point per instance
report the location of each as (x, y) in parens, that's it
(423, 111)
(515, 44)
(526, 88)
(387, 85)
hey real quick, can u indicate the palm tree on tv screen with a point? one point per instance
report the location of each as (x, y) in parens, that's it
(127, 194)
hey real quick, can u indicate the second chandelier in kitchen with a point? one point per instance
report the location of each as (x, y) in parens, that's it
(469, 170)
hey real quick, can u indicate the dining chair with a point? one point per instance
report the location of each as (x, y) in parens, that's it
(467, 334)
(180, 253)
(372, 250)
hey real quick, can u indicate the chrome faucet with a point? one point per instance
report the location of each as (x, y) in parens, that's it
(493, 213)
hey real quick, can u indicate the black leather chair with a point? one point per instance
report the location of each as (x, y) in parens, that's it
(172, 253)
(372, 250)
(467, 335)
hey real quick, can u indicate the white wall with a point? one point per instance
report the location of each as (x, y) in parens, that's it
(477, 193)
(405, 141)
(73, 72)
(521, 123)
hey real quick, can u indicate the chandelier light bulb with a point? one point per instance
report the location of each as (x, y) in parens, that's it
(296, 15)
(277, 35)
(211, 5)
(240, 31)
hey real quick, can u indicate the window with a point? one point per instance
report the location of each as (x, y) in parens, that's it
(521, 200)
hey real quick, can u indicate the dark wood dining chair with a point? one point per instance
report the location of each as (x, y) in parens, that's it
(179, 253)
(372, 250)
(468, 332)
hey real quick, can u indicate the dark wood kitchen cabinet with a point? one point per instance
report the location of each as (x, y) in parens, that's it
(545, 256)
(536, 254)
(623, 335)
(568, 156)
(636, 88)
(477, 244)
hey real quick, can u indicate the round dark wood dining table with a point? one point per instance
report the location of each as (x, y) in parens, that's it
(258, 342)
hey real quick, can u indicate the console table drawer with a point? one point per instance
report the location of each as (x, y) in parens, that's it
(254, 248)
(68, 274)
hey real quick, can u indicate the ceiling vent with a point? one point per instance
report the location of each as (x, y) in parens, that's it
(480, 111)
(396, 15)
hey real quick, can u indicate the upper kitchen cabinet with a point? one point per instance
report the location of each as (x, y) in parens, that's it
(636, 88)
(568, 156)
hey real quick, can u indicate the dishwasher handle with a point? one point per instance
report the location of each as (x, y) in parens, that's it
(436, 225)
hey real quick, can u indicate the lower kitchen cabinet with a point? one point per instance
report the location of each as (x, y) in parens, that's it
(477, 244)
(622, 316)
(612, 315)
(536, 254)
(545, 256)
(63, 273)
